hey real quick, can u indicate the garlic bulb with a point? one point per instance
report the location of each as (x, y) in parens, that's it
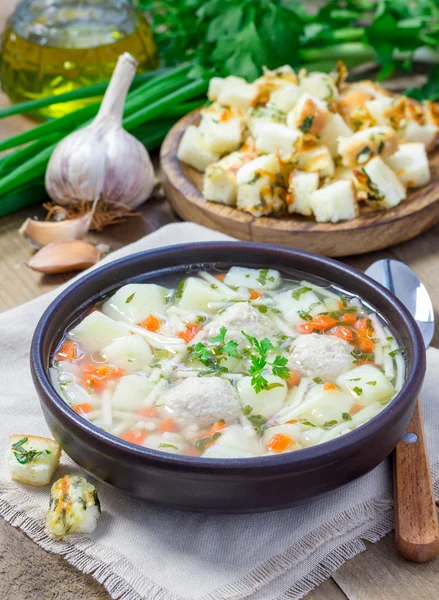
(103, 161)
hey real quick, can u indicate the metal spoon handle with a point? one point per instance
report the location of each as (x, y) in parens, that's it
(416, 520)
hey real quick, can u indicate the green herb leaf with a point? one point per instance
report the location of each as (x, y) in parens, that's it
(201, 444)
(306, 125)
(297, 293)
(308, 423)
(304, 315)
(393, 353)
(330, 424)
(168, 446)
(25, 457)
(371, 382)
(128, 300)
(317, 380)
(357, 390)
(96, 500)
(279, 367)
(220, 337)
(346, 416)
(262, 277)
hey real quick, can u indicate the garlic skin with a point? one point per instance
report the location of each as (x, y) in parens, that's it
(103, 161)
(63, 257)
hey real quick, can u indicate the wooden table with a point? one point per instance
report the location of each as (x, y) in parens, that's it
(27, 572)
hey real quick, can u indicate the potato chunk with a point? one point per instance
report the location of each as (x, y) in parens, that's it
(192, 150)
(301, 186)
(255, 279)
(74, 507)
(366, 384)
(32, 459)
(136, 301)
(97, 331)
(197, 294)
(378, 185)
(130, 353)
(367, 143)
(335, 202)
(267, 402)
(410, 163)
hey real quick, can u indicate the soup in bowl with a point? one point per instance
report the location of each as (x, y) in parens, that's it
(227, 385)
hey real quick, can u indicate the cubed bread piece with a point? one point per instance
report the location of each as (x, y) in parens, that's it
(215, 86)
(335, 127)
(263, 114)
(335, 202)
(221, 135)
(378, 185)
(74, 507)
(301, 185)
(319, 85)
(232, 91)
(284, 98)
(426, 133)
(274, 137)
(410, 163)
(274, 80)
(220, 177)
(192, 151)
(367, 143)
(315, 159)
(309, 115)
(387, 111)
(261, 188)
(343, 173)
(32, 459)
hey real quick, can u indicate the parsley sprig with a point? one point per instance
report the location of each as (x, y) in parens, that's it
(211, 355)
(259, 363)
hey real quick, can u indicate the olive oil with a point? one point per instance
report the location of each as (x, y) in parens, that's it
(55, 46)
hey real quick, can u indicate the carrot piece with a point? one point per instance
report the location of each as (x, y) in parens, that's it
(190, 332)
(81, 409)
(292, 421)
(340, 305)
(134, 436)
(361, 326)
(329, 387)
(344, 333)
(323, 322)
(349, 318)
(95, 376)
(293, 379)
(148, 411)
(151, 323)
(67, 351)
(168, 425)
(280, 442)
(356, 408)
(255, 295)
(365, 344)
(218, 426)
(305, 327)
(365, 361)
(220, 276)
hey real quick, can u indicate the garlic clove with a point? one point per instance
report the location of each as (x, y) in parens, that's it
(41, 233)
(64, 256)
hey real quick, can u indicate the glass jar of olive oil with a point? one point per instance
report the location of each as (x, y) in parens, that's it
(55, 46)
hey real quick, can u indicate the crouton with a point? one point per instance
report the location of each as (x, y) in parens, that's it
(335, 127)
(274, 137)
(426, 134)
(410, 163)
(388, 111)
(32, 459)
(220, 177)
(378, 185)
(261, 186)
(335, 202)
(221, 135)
(74, 507)
(284, 98)
(192, 151)
(264, 114)
(309, 115)
(319, 85)
(232, 91)
(300, 186)
(315, 159)
(367, 143)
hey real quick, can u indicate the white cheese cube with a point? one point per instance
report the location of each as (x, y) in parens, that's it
(319, 85)
(255, 279)
(97, 331)
(410, 163)
(366, 384)
(136, 301)
(301, 186)
(315, 159)
(74, 507)
(309, 115)
(383, 188)
(335, 127)
(32, 459)
(335, 202)
(284, 98)
(367, 143)
(192, 151)
(425, 134)
(274, 137)
(219, 183)
(259, 191)
(221, 136)
(263, 114)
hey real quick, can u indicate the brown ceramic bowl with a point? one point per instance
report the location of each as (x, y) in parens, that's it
(224, 485)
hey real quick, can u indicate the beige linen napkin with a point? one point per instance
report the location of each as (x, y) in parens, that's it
(140, 551)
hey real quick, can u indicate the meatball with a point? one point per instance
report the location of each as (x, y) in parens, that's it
(202, 401)
(241, 317)
(318, 355)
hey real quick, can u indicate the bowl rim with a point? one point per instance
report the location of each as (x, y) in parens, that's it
(306, 457)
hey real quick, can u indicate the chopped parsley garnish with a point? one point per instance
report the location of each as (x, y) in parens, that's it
(201, 444)
(262, 309)
(380, 146)
(355, 379)
(128, 300)
(168, 446)
(304, 315)
(357, 390)
(96, 500)
(393, 353)
(389, 338)
(258, 421)
(363, 155)
(297, 293)
(308, 423)
(23, 456)
(329, 424)
(306, 124)
(346, 416)
(211, 355)
(317, 380)
(263, 276)
(259, 363)
(371, 382)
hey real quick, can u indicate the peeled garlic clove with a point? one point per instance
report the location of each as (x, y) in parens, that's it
(41, 233)
(63, 257)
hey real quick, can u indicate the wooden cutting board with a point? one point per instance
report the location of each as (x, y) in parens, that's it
(372, 230)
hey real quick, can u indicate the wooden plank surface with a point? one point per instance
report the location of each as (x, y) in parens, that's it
(27, 572)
